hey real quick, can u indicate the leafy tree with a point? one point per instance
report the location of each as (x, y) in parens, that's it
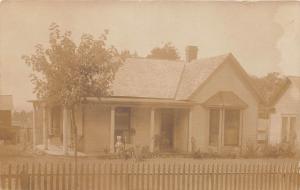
(167, 51)
(270, 85)
(65, 74)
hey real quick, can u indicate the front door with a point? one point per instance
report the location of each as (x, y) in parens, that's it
(167, 129)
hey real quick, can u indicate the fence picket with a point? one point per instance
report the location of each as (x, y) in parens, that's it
(137, 176)
(178, 176)
(57, 177)
(17, 178)
(38, 176)
(63, 176)
(121, 177)
(70, 176)
(93, 176)
(141, 176)
(158, 177)
(173, 176)
(87, 177)
(9, 177)
(148, 176)
(198, 177)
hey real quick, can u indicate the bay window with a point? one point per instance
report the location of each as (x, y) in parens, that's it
(226, 122)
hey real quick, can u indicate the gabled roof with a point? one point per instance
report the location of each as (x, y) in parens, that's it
(6, 102)
(196, 73)
(150, 78)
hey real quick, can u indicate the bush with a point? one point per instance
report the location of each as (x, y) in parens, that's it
(137, 152)
(251, 151)
(283, 150)
(211, 154)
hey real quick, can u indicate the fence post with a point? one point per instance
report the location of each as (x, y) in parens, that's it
(45, 176)
(298, 175)
(17, 177)
(24, 179)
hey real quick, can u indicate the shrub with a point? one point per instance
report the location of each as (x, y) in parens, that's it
(212, 154)
(251, 151)
(279, 150)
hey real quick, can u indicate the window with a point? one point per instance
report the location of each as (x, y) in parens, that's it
(228, 121)
(122, 124)
(214, 123)
(288, 129)
(231, 127)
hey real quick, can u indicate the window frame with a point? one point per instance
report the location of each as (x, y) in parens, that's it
(287, 138)
(128, 129)
(221, 136)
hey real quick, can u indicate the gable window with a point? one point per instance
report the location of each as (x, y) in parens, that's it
(288, 129)
(122, 124)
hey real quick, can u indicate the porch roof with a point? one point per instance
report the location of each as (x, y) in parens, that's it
(140, 101)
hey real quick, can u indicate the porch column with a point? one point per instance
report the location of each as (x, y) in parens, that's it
(152, 129)
(49, 124)
(45, 128)
(190, 134)
(66, 130)
(112, 129)
(34, 127)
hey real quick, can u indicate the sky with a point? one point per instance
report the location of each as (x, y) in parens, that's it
(263, 36)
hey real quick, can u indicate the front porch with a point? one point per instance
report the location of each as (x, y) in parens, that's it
(162, 126)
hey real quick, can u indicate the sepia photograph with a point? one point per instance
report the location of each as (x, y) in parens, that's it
(149, 95)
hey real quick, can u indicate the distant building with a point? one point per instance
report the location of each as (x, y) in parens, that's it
(6, 107)
(285, 121)
(7, 133)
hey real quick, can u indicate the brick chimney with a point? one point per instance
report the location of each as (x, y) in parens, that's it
(191, 53)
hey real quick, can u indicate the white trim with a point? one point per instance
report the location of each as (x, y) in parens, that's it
(112, 129)
(152, 129)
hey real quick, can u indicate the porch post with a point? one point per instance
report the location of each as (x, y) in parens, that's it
(34, 127)
(66, 130)
(112, 129)
(190, 132)
(221, 130)
(45, 128)
(152, 132)
(49, 131)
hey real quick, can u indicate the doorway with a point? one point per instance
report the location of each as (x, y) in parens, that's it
(167, 130)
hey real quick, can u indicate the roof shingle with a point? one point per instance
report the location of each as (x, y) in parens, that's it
(150, 78)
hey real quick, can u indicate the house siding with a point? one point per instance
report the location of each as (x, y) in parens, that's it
(288, 104)
(225, 79)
